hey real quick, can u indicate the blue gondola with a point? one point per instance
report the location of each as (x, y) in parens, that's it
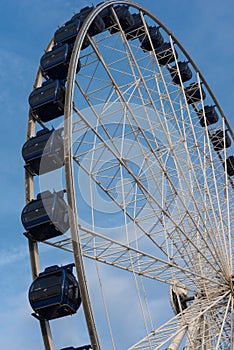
(97, 25)
(46, 145)
(107, 16)
(194, 93)
(67, 33)
(156, 39)
(136, 30)
(211, 116)
(185, 72)
(55, 63)
(179, 302)
(230, 165)
(45, 217)
(165, 54)
(47, 101)
(84, 347)
(221, 139)
(124, 16)
(55, 293)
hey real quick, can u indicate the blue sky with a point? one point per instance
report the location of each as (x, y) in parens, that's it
(204, 28)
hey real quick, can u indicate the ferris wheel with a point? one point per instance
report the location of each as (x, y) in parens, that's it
(135, 179)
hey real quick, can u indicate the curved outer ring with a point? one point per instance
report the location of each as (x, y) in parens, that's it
(69, 170)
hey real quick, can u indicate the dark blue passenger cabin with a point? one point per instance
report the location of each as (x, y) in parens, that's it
(230, 165)
(165, 54)
(124, 16)
(193, 93)
(47, 101)
(136, 30)
(55, 293)
(97, 26)
(179, 302)
(44, 152)
(67, 33)
(156, 39)
(185, 72)
(221, 140)
(84, 347)
(55, 63)
(107, 16)
(45, 217)
(211, 116)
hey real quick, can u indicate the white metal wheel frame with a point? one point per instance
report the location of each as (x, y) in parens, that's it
(136, 153)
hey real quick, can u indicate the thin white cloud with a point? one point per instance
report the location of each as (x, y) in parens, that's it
(12, 255)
